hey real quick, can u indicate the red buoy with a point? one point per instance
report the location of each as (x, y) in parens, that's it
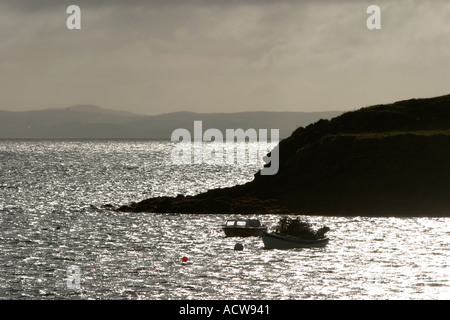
(184, 259)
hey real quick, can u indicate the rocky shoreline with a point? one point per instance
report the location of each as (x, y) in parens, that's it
(206, 205)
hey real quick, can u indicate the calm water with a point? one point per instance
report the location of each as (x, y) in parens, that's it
(47, 224)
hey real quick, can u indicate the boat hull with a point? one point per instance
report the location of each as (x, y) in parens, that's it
(243, 232)
(276, 241)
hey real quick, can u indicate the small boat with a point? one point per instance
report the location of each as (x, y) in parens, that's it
(243, 228)
(278, 241)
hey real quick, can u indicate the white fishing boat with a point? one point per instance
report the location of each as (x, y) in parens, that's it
(278, 241)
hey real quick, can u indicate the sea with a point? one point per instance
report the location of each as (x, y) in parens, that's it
(58, 243)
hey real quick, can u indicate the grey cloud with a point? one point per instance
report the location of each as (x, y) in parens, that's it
(162, 56)
(34, 5)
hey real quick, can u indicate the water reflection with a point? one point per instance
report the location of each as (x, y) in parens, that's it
(47, 185)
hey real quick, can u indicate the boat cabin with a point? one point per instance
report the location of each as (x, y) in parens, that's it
(243, 228)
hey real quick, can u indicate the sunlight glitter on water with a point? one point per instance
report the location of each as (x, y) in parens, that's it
(49, 184)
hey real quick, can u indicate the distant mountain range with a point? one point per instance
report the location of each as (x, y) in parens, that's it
(92, 122)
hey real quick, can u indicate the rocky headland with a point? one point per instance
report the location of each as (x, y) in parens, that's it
(383, 160)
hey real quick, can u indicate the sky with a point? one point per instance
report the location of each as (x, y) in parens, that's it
(156, 57)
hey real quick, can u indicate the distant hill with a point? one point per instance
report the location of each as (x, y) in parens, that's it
(384, 160)
(92, 122)
(389, 159)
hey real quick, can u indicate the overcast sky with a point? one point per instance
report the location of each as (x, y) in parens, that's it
(221, 55)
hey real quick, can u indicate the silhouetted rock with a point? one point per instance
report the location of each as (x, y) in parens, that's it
(385, 160)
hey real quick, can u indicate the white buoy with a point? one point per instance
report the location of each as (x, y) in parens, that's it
(238, 246)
